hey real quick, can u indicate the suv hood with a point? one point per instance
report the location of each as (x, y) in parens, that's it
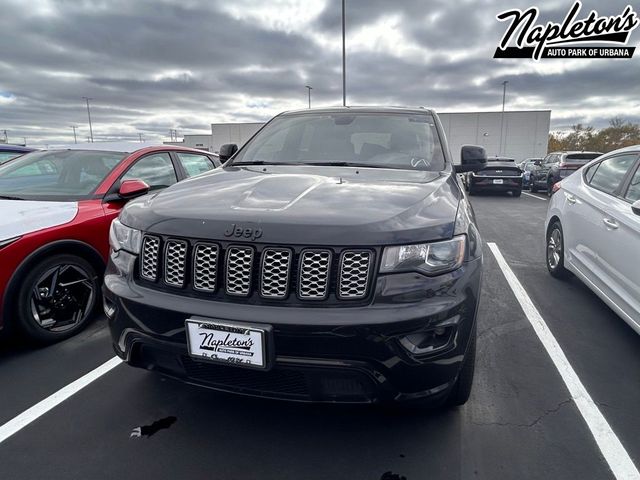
(303, 205)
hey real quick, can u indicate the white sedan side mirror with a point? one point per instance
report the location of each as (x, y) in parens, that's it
(636, 207)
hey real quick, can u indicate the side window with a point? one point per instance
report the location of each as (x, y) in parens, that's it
(195, 164)
(551, 159)
(590, 172)
(155, 169)
(611, 172)
(633, 193)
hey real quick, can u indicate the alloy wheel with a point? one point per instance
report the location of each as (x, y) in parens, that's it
(61, 297)
(554, 248)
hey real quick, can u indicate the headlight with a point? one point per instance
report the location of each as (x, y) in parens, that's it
(428, 258)
(122, 237)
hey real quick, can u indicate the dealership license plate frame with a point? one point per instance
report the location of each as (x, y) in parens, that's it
(498, 181)
(265, 334)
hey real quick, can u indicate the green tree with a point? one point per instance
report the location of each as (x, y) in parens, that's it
(618, 134)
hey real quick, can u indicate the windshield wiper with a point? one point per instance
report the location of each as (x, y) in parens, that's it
(348, 164)
(8, 197)
(263, 162)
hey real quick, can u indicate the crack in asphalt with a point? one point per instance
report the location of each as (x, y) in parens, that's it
(526, 425)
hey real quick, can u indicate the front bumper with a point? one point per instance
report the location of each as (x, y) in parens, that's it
(350, 354)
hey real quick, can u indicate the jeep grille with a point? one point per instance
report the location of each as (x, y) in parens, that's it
(256, 272)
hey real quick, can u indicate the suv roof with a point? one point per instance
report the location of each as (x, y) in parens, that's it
(359, 109)
(571, 152)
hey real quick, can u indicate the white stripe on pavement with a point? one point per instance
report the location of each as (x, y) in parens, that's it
(25, 418)
(535, 196)
(614, 453)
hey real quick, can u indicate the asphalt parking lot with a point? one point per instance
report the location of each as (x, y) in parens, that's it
(521, 421)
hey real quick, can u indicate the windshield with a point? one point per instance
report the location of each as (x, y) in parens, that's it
(58, 175)
(6, 156)
(581, 157)
(500, 159)
(400, 141)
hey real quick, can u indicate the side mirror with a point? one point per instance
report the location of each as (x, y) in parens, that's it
(472, 159)
(132, 188)
(636, 207)
(227, 151)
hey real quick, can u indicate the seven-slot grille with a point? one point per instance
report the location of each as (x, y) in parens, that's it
(272, 272)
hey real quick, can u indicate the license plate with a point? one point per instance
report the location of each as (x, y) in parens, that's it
(227, 342)
(498, 181)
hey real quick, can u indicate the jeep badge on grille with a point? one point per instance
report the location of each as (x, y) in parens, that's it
(238, 231)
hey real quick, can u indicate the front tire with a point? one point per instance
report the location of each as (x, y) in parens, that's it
(555, 251)
(549, 188)
(534, 189)
(57, 298)
(461, 390)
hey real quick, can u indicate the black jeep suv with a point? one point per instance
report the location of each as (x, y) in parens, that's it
(334, 258)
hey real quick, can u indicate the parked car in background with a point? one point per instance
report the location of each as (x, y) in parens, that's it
(527, 167)
(337, 260)
(556, 166)
(8, 152)
(499, 175)
(593, 230)
(56, 207)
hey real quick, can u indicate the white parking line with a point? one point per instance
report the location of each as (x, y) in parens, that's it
(614, 453)
(535, 196)
(25, 418)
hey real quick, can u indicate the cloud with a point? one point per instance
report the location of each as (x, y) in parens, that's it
(155, 66)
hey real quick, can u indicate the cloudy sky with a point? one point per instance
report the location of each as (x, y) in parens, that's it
(151, 66)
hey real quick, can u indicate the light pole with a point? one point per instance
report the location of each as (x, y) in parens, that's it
(140, 135)
(504, 96)
(75, 139)
(309, 92)
(344, 61)
(89, 115)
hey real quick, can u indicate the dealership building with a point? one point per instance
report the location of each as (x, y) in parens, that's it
(525, 133)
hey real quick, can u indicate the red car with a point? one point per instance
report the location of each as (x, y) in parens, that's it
(56, 207)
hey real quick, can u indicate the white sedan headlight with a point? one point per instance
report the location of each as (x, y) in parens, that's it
(428, 258)
(126, 238)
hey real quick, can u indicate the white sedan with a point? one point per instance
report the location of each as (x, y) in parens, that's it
(593, 230)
